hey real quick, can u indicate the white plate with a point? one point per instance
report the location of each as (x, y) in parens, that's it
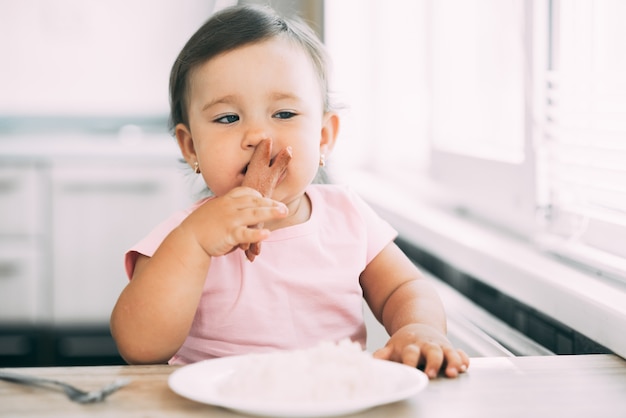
(201, 381)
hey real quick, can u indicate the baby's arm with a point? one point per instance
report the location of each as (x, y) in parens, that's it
(412, 313)
(155, 311)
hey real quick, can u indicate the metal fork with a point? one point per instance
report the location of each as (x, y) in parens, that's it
(72, 392)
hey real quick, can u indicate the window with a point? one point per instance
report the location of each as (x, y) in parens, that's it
(477, 57)
(481, 58)
(515, 109)
(582, 154)
(379, 77)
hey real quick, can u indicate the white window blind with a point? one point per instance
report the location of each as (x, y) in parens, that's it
(583, 150)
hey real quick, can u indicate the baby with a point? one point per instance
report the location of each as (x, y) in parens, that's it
(246, 79)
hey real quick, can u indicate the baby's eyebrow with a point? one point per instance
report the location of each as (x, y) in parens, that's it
(223, 99)
(283, 96)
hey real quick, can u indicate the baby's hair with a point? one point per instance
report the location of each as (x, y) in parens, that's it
(232, 28)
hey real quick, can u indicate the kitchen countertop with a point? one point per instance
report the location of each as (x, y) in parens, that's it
(28, 148)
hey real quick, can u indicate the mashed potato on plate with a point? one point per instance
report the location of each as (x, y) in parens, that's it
(326, 372)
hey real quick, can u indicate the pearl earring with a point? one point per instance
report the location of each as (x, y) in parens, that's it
(196, 167)
(322, 160)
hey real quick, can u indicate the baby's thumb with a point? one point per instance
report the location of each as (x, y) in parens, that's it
(383, 353)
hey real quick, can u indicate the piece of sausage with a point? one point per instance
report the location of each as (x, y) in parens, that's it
(263, 175)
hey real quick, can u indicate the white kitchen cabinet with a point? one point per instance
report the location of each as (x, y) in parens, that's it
(20, 281)
(22, 234)
(98, 210)
(69, 209)
(22, 195)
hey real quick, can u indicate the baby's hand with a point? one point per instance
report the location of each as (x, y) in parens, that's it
(424, 346)
(263, 175)
(223, 223)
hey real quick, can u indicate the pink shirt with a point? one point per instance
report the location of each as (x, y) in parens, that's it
(303, 288)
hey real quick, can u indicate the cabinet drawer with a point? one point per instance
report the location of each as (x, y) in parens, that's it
(98, 212)
(19, 292)
(21, 200)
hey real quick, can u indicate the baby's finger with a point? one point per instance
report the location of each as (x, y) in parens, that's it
(245, 235)
(244, 191)
(410, 355)
(383, 353)
(262, 212)
(433, 359)
(465, 361)
(454, 362)
(249, 198)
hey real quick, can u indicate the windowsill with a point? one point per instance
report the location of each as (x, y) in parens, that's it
(591, 305)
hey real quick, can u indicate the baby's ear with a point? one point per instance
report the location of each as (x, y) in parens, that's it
(330, 129)
(185, 143)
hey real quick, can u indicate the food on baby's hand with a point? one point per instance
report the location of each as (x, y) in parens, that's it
(263, 175)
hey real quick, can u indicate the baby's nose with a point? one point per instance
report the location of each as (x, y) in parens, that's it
(254, 136)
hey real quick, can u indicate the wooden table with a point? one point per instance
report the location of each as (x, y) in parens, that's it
(586, 386)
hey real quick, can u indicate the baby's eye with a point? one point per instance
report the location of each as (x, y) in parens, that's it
(285, 114)
(226, 119)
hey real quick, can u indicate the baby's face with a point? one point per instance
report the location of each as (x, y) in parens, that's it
(264, 90)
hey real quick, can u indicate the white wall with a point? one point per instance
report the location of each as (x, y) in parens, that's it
(86, 57)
